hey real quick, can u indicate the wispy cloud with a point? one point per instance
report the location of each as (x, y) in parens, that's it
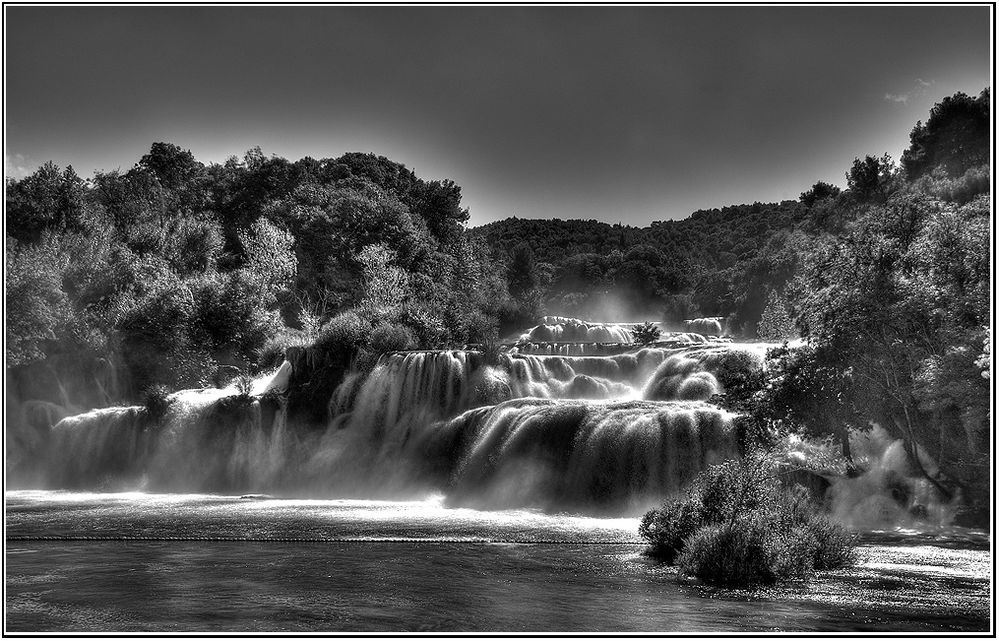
(918, 89)
(16, 166)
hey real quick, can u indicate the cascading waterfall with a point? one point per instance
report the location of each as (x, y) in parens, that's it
(609, 433)
(711, 326)
(562, 455)
(558, 329)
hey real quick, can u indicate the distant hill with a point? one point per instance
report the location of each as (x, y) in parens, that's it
(716, 262)
(711, 237)
(552, 240)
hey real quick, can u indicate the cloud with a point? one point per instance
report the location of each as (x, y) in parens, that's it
(918, 90)
(16, 166)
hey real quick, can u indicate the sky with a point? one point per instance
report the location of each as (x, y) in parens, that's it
(621, 114)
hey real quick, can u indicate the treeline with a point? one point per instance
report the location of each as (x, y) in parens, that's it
(178, 273)
(719, 262)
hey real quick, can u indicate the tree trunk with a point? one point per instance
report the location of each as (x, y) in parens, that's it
(843, 434)
(911, 449)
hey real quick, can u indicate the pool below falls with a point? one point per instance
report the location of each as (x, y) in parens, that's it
(142, 562)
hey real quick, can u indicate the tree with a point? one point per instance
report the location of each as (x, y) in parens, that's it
(819, 191)
(194, 246)
(386, 286)
(898, 305)
(332, 224)
(954, 138)
(270, 257)
(37, 306)
(808, 391)
(172, 166)
(438, 203)
(522, 274)
(49, 199)
(776, 324)
(871, 179)
(646, 333)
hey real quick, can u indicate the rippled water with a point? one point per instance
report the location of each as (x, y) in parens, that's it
(129, 562)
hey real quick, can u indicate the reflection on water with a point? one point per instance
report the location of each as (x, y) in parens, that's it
(447, 575)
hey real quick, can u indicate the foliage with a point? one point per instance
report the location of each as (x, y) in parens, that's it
(522, 272)
(271, 263)
(194, 246)
(243, 385)
(346, 331)
(959, 190)
(37, 306)
(776, 324)
(386, 285)
(871, 179)
(646, 333)
(741, 375)
(156, 402)
(391, 337)
(174, 266)
(275, 348)
(894, 310)
(678, 308)
(666, 528)
(746, 552)
(48, 200)
(954, 138)
(738, 525)
(819, 191)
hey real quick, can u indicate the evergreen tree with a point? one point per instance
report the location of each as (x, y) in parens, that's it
(776, 324)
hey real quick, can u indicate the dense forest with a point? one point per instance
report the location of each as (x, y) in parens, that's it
(180, 274)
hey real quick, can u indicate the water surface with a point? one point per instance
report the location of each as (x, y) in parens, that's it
(134, 562)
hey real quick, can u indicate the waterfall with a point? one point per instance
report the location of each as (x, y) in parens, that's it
(558, 454)
(102, 448)
(557, 329)
(611, 432)
(707, 326)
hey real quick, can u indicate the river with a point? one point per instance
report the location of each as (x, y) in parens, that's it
(90, 562)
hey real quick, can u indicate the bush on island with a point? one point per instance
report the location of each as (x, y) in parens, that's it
(738, 525)
(645, 334)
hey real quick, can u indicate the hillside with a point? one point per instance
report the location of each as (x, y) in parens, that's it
(715, 262)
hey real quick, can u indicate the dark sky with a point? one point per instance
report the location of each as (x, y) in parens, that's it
(628, 114)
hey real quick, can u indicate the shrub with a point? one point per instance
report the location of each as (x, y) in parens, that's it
(748, 551)
(666, 528)
(835, 547)
(244, 385)
(646, 333)
(229, 315)
(193, 246)
(427, 326)
(155, 402)
(272, 354)
(391, 337)
(960, 190)
(345, 331)
(738, 525)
